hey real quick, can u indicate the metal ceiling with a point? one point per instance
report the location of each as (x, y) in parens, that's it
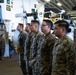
(67, 5)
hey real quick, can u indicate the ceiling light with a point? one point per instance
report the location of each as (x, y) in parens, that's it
(59, 4)
(47, 0)
(51, 11)
(63, 11)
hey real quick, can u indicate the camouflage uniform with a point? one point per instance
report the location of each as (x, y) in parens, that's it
(27, 53)
(63, 57)
(33, 50)
(46, 54)
(38, 56)
(22, 37)
(28, 44)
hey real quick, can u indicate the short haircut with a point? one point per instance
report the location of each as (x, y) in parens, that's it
(35, 21)
(21, 25)
(49, 22)
(63, 23)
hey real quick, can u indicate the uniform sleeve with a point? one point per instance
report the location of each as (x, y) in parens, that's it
(27, 45)
(24, 37)
(70, 59)
(51, 44)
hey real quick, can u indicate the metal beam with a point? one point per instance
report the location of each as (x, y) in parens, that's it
(69, 6)
(71, 2)
(54, 5)
(66, 8)
(74, 2)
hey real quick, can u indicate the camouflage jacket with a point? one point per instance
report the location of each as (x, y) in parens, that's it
(63, 57)
(46, 51)
(27, 46)
(33, 48)
(21, 38)
(38, 56)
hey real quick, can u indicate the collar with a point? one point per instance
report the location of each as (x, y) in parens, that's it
(47, 34)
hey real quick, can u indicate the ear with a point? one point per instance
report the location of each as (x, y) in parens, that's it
(36, 26)
(49, 26)
(63, 29)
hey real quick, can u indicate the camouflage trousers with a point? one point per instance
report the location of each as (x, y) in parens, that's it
(34, 71)
(22, 63)
(45, 71)
(28, 67)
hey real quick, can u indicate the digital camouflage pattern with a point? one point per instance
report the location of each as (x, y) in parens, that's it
(46, 53)
(27, 52)
(33, 51)
(28, 45)
(22, 37)
(33, 48)
(63, 57)
(38, 56)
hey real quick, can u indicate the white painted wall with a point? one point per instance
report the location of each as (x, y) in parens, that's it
(41, 10)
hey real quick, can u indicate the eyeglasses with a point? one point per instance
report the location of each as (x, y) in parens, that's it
(44, 25)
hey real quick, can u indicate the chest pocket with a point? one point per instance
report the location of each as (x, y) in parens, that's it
(59, 49)
(44, 43)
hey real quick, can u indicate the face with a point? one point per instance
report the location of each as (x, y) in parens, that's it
(34, 27)
(44, 27)
(18, 27)
(31, 25)
(58, 30)
(28, 28)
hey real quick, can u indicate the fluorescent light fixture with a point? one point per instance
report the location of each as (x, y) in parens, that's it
(63, 11)
(51, 11)
(47, 0)
(59, 4)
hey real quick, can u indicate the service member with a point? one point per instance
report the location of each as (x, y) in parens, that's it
(27, 48)
(63, 53)
(47, 47)
(34, 40)
(22, 37)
